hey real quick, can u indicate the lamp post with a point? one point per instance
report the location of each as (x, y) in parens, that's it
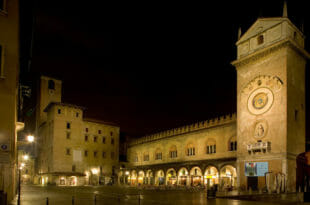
(30, 139)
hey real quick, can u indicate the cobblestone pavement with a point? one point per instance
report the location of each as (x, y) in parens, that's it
(113, 195)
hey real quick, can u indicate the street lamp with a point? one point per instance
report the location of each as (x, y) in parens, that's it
(26, 157)
(30, 138)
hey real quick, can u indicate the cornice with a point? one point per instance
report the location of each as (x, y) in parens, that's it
(239, 63)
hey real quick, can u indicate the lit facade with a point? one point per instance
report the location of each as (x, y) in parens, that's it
(9, 70)
(72, 150)
(269, 127)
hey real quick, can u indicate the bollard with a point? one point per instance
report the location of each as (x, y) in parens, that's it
(95, 199)
(46, 200)
(72, 200)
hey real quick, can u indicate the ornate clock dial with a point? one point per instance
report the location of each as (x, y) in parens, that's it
(260, 101)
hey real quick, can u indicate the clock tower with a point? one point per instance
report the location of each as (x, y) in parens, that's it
(270, 102)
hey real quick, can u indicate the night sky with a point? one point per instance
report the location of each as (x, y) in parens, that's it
(147, 67)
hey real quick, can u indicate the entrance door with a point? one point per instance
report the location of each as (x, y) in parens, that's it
(253, 183)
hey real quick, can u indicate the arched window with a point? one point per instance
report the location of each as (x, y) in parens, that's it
(51, 85)
(211, 146)
(232, 144)
(146, 156)
(190, 151)
(158, 154)
(173, 152)
(135, 157)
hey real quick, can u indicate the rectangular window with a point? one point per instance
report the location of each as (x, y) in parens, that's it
(68, 151)
(85, 153)
(158, 156)
(95, 153)
(103, 155)
(146, 157)
(59, 111)
(112, 155)
(95, 138)
(1, 56)
(173, 154)
(111, 133)
(68, 135)
(73, 168)
(99, 131)
(68, 125)
(103, 140)
(77, 114)
(86, 129)
(86, 138)
(112, 140)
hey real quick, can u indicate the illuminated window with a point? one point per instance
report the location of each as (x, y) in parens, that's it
(51, 85)
(260, 39)
(1, 58)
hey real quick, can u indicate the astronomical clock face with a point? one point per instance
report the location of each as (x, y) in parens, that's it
(260, 101)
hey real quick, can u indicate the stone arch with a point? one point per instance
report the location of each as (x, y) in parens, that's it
(196, 176)
(133, 177)
(228, 177)
(211, 176)
(171, 177)
(183, 178)
(160, 177)
(141, 176)
(149, 177)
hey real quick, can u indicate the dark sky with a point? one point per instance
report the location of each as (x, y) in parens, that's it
(147, 67)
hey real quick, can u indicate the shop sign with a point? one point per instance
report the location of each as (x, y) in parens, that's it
(256, 169)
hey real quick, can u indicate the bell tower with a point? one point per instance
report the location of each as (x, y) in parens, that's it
(270, 102)
(49, 91)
